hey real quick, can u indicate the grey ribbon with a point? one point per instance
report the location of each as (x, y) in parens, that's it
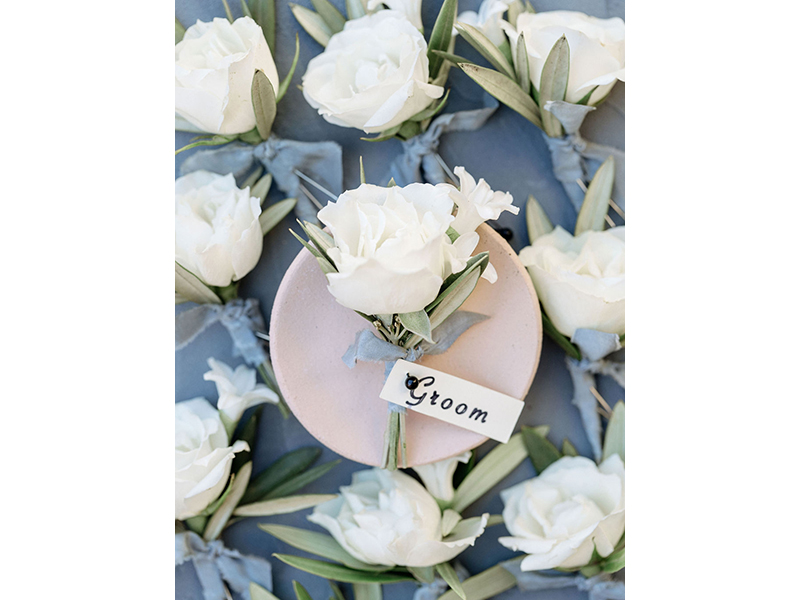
(369, 347)
(600, 587)
(214, 563)
(596, 348)
(242, 318)
(576, 158)
(432, 591)
(321, 161)
(419, 153)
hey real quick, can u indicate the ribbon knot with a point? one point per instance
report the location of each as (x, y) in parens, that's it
(600, 587)
(215, 563)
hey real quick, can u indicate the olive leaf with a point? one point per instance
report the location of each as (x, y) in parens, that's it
(361, 165)
(261, 187)
(245, 9)
(559, 338)
(228, 12)
(505, 90)
(417, 322)
(367, 591)
(180, 31)
(523, 68)
(330, 14)
(553, 84)
(453, 58)
(542, 452)
(252, 179)
(355, 9)
(450, 519)
(287, 466)
(275, 214)
(301, 480)
(190, 289)
(478, 40)
(284, 85)
(487, 584)
(567, 449)
(264, 103)
(338, 572)
(536, 219)
(424, 574)
(448, 573)
(614, 442)
(220, 517)
(259, 593)
(263, 12)
(596, 201)
(313, 23)
(282, 506)
(440, 35)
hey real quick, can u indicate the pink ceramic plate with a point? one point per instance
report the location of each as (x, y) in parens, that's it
(310, 332)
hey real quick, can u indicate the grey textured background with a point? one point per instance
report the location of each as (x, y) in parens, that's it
(511, 155)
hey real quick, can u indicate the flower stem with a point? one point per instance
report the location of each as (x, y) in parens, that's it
(268, 375)
(196, 524)
(394, 440)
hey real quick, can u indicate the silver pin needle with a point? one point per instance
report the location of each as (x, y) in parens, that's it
(310, 196)
(315, 184)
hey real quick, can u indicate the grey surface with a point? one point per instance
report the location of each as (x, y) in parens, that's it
(511, 155)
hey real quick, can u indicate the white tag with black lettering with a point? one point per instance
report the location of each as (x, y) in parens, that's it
(453, 400)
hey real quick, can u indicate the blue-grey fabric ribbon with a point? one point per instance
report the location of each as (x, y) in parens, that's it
(369, 347)
(242, 318)
(321, 161)
(576, 158)
(600, 587)
(596, 348)
(214, 563)
(432, 591)
(418, 160)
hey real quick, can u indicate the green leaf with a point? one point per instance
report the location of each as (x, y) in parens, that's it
(391, 183)
(448, 573)
(338, 572)
(423, 574)
(384, 135)
(245, 9)
(536, 218)
(505, 90)
(314, 24)
(431, 111)
(543, 430)
(440, 35)
(324, 262)
(338, 595)
(261, 187)
(228, 12)
(180, 31)
(263, 12)
(417, 322)
(567, 449)
(453, 58)
(355, 9)
(284, 85)
(320, 544)
(494, 467)
(300, 591)
(220, 518)
(191, 289)
(259, 593)
(595, 203)
(367, 591)
(487, 584)
(614, 442)
(301, 480)
(479, 261)
(275, 214)
(250, 137)
(282, 506)
(553, 84)
(495, 520)
(542, 452)
(559, 338)
(585, 100)
(450, 519)
(264, 103)
(248, 435)
(522, 66)
(478, 40)
(214, 140)
(329, 13)
(283, 469)
(321, 239)
(252, 179)
(211, 508)
(614, 562)
(361, 166)
(408, 130)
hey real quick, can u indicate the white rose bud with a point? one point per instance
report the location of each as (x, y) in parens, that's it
(487, 19)
(217, 234)
(561, 516)
(202, 457)
(388, 518)
(580, 280)
(596, 49)
(214, 67)
(373, 75)
(391, 247)
(237, 390)
(438, 476)
(477, 202)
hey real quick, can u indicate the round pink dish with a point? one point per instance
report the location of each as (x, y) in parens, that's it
(340, 407)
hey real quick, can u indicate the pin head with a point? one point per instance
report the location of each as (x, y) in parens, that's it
(411, 382)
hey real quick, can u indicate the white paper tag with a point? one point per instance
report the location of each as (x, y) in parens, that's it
(453, 400)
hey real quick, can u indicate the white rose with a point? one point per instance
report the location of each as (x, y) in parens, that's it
(217, 233)
(438, 476)
(596, 49)
(477, 203)
(202, 457)
(391, 249)
(561, 516)
(388, 518)
(580, 280)
(214, 67)
(373, 75)
(237, 390)
(412, 9)
(488, 19)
